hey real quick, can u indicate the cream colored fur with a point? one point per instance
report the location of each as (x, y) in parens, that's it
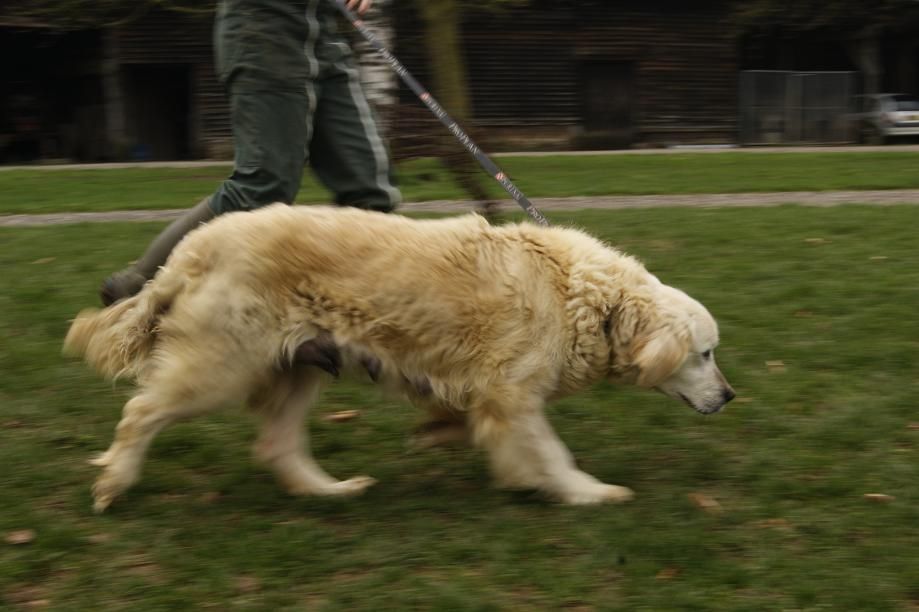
(499, 321)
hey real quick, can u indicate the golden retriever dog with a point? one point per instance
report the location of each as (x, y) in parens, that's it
(483, 323)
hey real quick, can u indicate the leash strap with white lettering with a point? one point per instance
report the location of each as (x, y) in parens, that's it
(490, 167)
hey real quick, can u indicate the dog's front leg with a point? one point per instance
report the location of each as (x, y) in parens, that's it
(525, 453)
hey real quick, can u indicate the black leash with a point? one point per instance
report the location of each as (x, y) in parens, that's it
(490, 167)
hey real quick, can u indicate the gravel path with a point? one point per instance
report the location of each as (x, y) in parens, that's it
(716, 200)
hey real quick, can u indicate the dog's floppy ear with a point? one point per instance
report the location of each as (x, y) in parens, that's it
(658, 355)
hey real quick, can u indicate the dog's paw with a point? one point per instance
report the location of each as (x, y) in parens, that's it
(581, 489)
(351, 487)
(598, 493)
(104, 493)
(114, 480)
(101, 460)
(332, 488)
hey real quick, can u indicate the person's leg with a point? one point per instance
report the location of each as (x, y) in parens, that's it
(269, 134)
(260, 59)
(130, 280)
(346, 150)
(270, 140)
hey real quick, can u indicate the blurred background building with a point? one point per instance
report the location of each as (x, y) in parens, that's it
(139, 84)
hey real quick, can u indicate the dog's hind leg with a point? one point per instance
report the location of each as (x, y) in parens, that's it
(173, 390)
(143, 416)
(525, 452)
(283, 408)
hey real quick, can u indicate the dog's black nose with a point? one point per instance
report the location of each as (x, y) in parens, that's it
(728, 394)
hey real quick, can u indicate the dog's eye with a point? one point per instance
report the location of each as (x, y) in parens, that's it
(707, 355)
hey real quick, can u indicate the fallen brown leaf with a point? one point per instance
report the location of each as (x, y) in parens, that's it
(20, 536)
(210, 497)
(882, 498)
(247, 584)
(816, 240)
(171, 497)
(775, 366)
(705, 503)
(142, 566)
(44, 260)
(773, 523)
(668, 573)
(22, 594)
(341, 416)
(99, 538)
(913, 426)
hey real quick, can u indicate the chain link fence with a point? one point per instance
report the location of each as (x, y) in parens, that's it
(781, 107)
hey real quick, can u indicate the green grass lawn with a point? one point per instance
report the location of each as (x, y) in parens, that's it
(830, 293)
(43, 191)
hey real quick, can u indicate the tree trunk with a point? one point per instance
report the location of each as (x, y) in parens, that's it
(442, 41)
(442, 25)
(866, 52)
(377, 76)
(115, 130)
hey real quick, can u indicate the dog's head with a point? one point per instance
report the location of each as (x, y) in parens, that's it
(674, 352)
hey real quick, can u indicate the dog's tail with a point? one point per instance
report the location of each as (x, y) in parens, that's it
(118, 340)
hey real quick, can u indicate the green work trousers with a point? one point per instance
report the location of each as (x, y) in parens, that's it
(295, 98)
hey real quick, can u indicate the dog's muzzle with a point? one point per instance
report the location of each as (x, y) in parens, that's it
(726, 396)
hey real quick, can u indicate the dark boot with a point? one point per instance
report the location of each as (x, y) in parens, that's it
(131, 280)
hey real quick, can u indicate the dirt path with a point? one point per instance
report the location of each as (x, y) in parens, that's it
(702, 149)
(719, 200)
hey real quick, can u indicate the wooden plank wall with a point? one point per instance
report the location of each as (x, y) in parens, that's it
(525, 64)
(175, 38)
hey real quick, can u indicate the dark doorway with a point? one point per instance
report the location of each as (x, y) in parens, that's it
(50, 98)
(157, 109)
(608, 97)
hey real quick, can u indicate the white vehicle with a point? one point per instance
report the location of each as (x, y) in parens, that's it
(882, 117)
